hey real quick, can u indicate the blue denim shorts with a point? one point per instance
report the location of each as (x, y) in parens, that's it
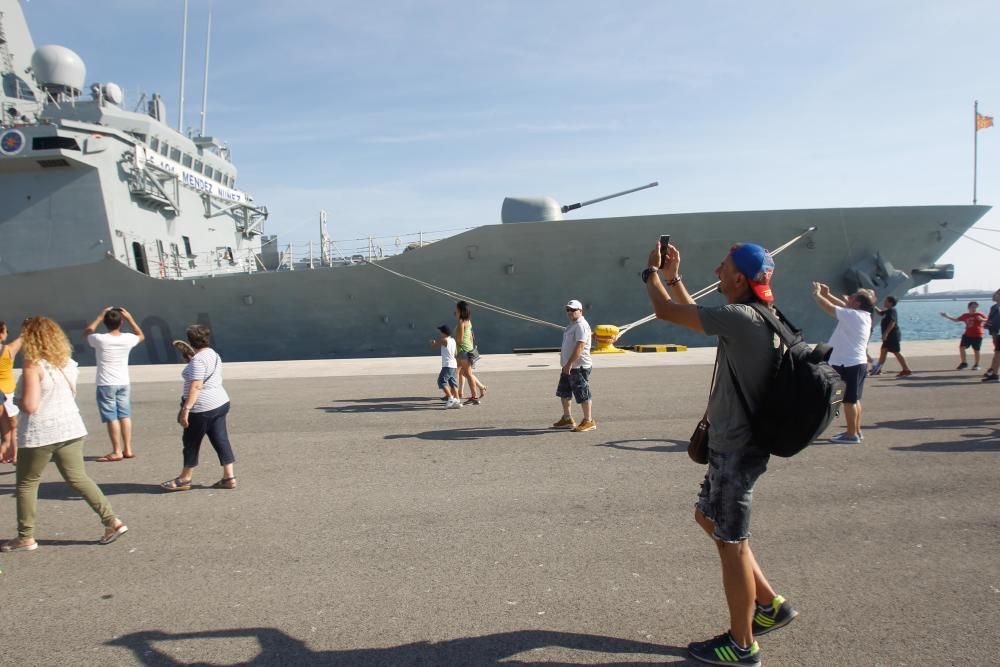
(576, 384)
(447, 376)
(113, 402)
(727, 491)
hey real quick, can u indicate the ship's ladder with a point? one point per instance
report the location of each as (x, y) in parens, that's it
(500, 310)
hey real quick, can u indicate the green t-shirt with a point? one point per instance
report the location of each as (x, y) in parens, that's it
(466, 344)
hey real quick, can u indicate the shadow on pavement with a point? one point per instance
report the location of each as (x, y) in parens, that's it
(930, 423)
(63, 491)
(966, 442)
(385, 404)
(151, 648)
(471, 433)
(910, 383)
(987, 444)
(647, 445)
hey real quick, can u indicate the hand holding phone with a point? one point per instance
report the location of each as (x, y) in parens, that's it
(664, 248)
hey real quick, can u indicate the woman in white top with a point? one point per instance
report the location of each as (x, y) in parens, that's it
(850, 350)
(51, 429)
(204, 406)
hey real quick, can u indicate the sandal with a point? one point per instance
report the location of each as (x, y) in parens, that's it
(109, 458)
(176, 484)
(108, 538)
(225, 483)
(17, 544)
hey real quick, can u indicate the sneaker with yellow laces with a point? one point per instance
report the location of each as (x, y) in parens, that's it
(585, 425)
(777, 615)
(565, 422)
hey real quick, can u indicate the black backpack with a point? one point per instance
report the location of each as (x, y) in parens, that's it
(802, 397)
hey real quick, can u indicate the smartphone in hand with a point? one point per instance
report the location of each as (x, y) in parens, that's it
(664, 248)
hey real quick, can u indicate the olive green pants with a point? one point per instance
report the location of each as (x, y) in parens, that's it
(68, 456)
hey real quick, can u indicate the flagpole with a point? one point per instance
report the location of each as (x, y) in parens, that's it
(975, 148)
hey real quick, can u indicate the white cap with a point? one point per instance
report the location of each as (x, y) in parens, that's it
(574, 304)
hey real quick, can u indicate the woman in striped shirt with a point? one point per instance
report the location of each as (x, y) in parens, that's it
(204, 407)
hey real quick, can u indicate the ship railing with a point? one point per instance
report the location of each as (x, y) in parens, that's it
(346, 252)
(294, 257)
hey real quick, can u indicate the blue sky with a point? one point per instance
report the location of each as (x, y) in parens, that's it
(406, 116)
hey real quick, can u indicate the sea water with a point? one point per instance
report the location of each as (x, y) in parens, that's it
(921, 320)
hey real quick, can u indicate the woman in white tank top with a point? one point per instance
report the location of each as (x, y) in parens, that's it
(51, 429)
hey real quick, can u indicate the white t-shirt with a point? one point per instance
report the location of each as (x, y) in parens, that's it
(448, 354)
(576, 332)
(207, 367)
(112, 357)
(850, 339)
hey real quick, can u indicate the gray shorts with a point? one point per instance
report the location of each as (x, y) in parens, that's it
(727, 491)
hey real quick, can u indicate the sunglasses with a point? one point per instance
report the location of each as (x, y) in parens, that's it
(572, 310)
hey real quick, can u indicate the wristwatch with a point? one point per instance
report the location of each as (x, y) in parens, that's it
(647, 273)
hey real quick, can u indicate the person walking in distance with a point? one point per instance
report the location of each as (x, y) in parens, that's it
(746, 354)
(891, 338)
(973, 336)
(447, 378)
(850, 350)
(8, 410)
(465, 341)
(574, 378)
(993, 325)
(114, 401)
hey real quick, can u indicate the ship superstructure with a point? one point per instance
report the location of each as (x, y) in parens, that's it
(91, 179)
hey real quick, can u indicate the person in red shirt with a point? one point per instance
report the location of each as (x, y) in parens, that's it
(973, 336)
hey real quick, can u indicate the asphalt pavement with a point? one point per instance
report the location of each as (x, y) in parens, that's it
(372, 526)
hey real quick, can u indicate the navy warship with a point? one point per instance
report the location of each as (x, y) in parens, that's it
(109, 206)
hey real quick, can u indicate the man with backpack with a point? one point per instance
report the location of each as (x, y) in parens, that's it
(747, 357)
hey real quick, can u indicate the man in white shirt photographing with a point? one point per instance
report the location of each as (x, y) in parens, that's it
(113, 391)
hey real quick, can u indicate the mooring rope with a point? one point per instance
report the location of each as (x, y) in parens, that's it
(475, 302)
(534, 320)
(982, 243)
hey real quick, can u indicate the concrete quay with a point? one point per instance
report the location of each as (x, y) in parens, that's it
(374, 527)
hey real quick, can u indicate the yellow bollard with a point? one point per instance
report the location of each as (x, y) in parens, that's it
(605, 336)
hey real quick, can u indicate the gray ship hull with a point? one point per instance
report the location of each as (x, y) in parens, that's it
(534, 268)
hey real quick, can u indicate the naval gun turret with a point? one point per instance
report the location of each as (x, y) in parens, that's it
(545, 209)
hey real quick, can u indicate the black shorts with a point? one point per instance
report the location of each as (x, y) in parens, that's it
(854, 379)
(891, 344)
(996, 342)
(971, 341)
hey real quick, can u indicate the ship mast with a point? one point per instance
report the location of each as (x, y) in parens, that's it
(184, 41)
(324, 241)
(204, 94)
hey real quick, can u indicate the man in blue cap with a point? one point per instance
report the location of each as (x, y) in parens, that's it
(746, 353)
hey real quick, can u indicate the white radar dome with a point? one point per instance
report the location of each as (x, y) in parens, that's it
(113, 93)
(530, 209)
(58, 69)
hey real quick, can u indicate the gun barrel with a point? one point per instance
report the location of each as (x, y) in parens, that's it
(573, 207)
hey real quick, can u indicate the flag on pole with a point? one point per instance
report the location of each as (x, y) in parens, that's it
(983, 122)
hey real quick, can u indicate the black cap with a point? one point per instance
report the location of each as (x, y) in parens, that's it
(445, 329)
